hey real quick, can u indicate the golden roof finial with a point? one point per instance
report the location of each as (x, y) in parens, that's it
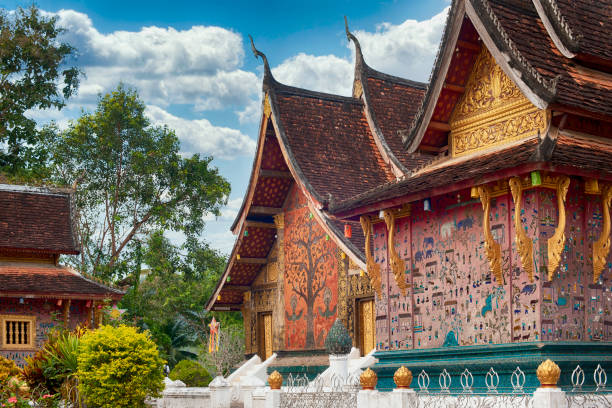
(368, 379)
(548, 373)
(402, 378)
(275, 380)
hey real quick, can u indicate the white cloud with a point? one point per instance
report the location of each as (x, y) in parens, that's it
(406, 50)
(198, 66)
(200, 135)
(326, 73)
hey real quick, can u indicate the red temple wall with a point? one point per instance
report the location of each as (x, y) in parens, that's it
(311, 277)
(454, 298)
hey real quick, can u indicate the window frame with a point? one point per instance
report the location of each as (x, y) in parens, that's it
(31, 345)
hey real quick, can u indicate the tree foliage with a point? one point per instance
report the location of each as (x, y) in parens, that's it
(33, 75)
(118, 367)
(131, 179)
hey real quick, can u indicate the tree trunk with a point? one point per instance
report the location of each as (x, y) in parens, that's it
(310, 343)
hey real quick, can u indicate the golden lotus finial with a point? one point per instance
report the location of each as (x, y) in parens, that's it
(548, 373)
(368, 379)
(275, 380)
(402, 378)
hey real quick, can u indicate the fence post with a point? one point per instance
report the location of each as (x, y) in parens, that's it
(548, 395)
(220, 392)
(367, 396)
(273, 395)
(247, 386)
(403, 396)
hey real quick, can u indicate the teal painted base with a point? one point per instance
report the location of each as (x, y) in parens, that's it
(310, 371)
(504, 358)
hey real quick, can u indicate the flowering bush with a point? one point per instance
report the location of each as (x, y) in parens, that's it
(118, 367)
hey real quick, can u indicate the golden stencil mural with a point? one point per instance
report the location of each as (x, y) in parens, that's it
(492, 110)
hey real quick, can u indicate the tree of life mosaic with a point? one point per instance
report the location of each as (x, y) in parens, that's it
(311, 277)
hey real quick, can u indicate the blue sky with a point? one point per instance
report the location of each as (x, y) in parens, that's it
(192, 64)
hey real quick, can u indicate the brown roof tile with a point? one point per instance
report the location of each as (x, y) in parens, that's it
(331, 143)
(394, 103)
(50, 280)
(591, 23)
(36, 220)
(446, 173)
(577, 87)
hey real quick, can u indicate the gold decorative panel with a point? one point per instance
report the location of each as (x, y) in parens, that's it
(492, 110)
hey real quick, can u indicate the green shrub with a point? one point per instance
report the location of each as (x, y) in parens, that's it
(191, 373)
(118, 367)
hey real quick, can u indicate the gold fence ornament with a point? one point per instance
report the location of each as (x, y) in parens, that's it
(557, 241)
(402, 378)
(524, 244)
(275, 380)
(492, 247)
(601, 247)
(397, 264)
(548, 374)
(368, 379)
(372, 267)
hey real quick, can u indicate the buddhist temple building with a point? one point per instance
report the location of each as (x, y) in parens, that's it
(36, 292)
(484, 198)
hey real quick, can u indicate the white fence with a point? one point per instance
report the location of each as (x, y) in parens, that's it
(340, 391)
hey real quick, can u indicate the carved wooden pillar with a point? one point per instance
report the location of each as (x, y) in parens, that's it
(66, 313)
(278, 312)
(246, 321)
(90, 314)
(97, 314)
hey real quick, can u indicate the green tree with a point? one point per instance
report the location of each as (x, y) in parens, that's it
(32, 76)
(118, 367)
(131, 180)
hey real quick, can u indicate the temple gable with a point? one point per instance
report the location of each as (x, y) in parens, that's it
(492, 111)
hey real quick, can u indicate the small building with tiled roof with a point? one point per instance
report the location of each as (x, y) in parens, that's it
(36, 292)
(504, 242)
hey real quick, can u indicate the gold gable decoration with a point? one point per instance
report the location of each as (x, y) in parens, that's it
(492, 110)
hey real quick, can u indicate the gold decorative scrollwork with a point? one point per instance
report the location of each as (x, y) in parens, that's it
(601, 247)
(373, 269)
(395, 262)
(492, 247)
(557, 241)
(523, 243)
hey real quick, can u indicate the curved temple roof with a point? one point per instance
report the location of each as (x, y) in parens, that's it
(517, 38)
